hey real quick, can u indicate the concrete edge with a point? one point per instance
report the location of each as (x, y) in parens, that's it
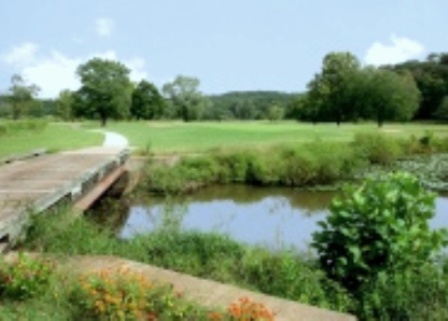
(24, 156)
(205, 292)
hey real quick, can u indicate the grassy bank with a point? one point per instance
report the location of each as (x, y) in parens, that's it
(285, 274)
(319, 163)
(25, 136)
(179, 137)
(40, 289)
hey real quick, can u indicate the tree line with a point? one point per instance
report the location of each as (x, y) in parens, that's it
(343, 90)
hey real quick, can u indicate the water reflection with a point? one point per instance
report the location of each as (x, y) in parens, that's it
(273, 217)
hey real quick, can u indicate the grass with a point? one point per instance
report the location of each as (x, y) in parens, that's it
(41, 290)
(207, 255)
(165, 137)
(53, 137)
(421, 295)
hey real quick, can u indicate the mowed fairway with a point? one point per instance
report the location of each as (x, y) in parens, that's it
(179, 137)
(53, 137)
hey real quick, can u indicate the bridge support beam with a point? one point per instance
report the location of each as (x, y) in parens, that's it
(86, 201)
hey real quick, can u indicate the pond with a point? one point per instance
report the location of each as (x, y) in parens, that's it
(272, 217)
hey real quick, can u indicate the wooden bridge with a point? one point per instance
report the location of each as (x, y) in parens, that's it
(33, 185)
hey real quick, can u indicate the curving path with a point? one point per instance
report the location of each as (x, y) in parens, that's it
(112, 139)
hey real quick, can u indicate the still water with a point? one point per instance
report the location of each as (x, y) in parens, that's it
(272, 217)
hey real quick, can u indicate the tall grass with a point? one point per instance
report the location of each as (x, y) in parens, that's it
(208, 255)
(418, 295)
(310, 164)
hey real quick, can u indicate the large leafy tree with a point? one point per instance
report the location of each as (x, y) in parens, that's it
(344, 90)
(185, 98)
(431, 77)
(331, 91)
(106, 90)
(388, 95)
(21, 96)
(147, 102)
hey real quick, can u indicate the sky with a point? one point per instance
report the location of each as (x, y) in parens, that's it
(230, 45)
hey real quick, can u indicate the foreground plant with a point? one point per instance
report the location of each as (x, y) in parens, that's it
(24, 278)
(248, 310)
(378, 227)
(124, 295)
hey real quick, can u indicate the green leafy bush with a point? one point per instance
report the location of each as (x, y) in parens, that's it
(376, 148)
(24, 278)
(125, 295)
(418, 295)
(382, 225)
(285, 274)
(311, 164)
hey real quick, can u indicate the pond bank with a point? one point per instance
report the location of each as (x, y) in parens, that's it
(269, 216)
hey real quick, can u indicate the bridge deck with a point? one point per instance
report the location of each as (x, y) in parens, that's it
(42, 181)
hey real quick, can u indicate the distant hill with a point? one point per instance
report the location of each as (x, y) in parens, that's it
(249, 104)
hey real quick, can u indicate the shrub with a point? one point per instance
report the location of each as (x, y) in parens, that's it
(298, 167)
(376, 148)
(264, 170)
(382, 225)
(24, 278)
(285, 274)
(127, 296)
(427, 144)
(160, 179)
(418, 295)
(246, 309)
(234, 167)
(204, 255)
(332, 166)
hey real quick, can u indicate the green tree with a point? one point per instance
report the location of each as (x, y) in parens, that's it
(442, 111)
(64, 105)
(21, 96)
(147, 103)
(249, 104)
(431, 77)
(379, 227)
(332, 90)
(186, 99)
(390, 95)
(275, 113)
(106, 90)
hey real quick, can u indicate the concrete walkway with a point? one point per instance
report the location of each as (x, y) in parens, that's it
(112, 139)
(39, 183)
(205, 292)
(115, 140)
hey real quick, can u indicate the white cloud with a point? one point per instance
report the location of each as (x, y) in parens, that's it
(137, 67)
(104, 27)
(53, 74)
(21, 55)
(55, 71)
(400, 49)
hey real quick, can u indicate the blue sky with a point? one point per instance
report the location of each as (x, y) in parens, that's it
(228, 45)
